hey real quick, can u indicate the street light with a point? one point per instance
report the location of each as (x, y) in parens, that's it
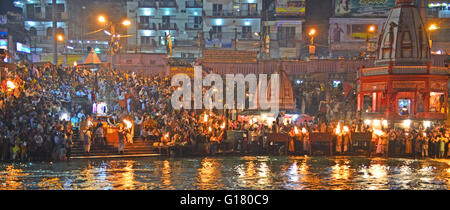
(60, 37)
(126, 22)
(101, 19)
(312, 48)
(114, 38)
(370, 30)
(431, 28)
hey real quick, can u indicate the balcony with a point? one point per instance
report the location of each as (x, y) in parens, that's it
(233, 13)
(193, 26)
(148, 26)
(167, 26)
(194, 4)
(147, 4)
(167, 4)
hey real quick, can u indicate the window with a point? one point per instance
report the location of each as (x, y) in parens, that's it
(194, 22)
(246, 32)
(286, 36)
(404, 106)
(33, 31)
(145, 40)
(217, 30)
(49, 31)
(144, 19)
(217, 9)
(166, 22)
(437, 102)
(367, 103)
(60, 8)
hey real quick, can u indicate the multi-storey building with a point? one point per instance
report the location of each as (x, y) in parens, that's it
(156, 20)
(38, 19)
(14, 39)
(282, 28)
(232, 24)
(437, 12)
(355, 26)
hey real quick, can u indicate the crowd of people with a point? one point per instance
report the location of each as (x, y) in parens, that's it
(40, 117)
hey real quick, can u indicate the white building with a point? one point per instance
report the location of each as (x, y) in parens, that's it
(234, 24)
(38, 16)
(154, 20)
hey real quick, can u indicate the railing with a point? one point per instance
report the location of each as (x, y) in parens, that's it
(147, 4)
(233, 13)
(167, 26)
(193, 26)
(148, 26)
(194, 4)
(167, 4)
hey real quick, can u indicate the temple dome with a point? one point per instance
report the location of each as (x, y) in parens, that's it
(286, 94)
(404, 40)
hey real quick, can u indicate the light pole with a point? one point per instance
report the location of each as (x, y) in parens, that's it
(370, 30)
(114, 39)
(432, 28)
(312, 49)
(60, 38)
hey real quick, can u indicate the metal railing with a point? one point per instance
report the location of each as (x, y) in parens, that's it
(194, 4)
(167, 26)
(193, 26)
(149, 26)
(232, 13)
(147, 4)
(167, 3)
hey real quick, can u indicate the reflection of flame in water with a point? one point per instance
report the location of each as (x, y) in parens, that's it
(293, 172)
(340, 171)
(209, 175)
(127, 178)
(263, 172)
(50, 184)
(11, 176)
(166, 173)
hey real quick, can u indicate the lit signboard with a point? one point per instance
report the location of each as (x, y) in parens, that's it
(4, 44)
(23, 48)
(290, 7)
(358, 8)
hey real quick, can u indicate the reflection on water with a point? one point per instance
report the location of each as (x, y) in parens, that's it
(261, 172)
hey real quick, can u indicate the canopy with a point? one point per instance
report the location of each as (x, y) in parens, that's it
(92, 58)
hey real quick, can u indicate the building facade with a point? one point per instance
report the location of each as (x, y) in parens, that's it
(38, 20)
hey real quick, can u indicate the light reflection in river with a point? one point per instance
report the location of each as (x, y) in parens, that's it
(259, 172)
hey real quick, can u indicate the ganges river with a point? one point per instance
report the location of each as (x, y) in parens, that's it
(252, 173)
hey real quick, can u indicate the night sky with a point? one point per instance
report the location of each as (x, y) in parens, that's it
(7, 5)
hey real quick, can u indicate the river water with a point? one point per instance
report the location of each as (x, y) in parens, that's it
(206, 173)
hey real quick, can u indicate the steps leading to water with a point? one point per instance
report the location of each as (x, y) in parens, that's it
(137, 148)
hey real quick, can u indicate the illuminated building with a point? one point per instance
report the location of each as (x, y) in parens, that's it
(403, 85)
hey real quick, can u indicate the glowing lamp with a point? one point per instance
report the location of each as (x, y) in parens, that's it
(10, 85)
(367, 122)
(385, 123)
(295, 130)
(128, 123)
(303, 130)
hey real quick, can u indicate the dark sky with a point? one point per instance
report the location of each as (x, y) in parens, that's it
(7, 5)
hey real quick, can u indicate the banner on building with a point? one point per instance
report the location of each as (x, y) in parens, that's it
(4, 44)
(290, 7)
(357, 8)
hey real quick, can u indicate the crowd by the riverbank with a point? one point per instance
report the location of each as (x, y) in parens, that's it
(39, 119)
